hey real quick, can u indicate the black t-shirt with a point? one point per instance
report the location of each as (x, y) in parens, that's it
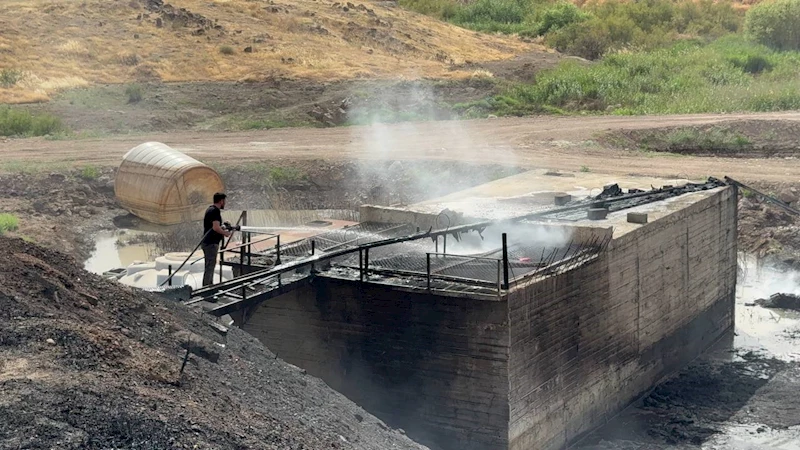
(212, 214)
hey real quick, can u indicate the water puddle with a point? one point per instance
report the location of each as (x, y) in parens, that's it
(761, 329)
(754, 436)
(113, 250)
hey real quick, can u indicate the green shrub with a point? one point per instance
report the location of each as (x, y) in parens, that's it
(10, 77)
(590, 40)
(89, 173)
(775, 24)
(284, 175)
(226, 50)
(8, 222)
(559, 16)
(441, 9)
(688, 77)
(493, 15)
(135, 93)
(19, 122)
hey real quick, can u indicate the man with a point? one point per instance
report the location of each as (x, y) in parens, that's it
(213, 232)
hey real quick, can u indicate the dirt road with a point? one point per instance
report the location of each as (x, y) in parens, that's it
(564, 143)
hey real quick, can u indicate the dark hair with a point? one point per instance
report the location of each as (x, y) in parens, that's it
(219, 196)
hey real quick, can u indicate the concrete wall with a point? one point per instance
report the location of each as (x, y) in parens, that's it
(587, 342)
(434, 366)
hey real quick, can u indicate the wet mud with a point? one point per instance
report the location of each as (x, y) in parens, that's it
(740, 395)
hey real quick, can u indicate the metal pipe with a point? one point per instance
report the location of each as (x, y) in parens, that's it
(428, 263)
(278, 251)
(208, 291)
(313, 251)
(249, 250)
(169, 273)
(366, 263)
(499, 287)
(444, 247)
(505, 261)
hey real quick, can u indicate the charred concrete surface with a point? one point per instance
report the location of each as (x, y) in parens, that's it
(586, 343)
(543, 364)
(434, 366)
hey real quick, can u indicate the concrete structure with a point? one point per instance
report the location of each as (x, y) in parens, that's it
(542, 361)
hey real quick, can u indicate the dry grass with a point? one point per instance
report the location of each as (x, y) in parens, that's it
(63, 43)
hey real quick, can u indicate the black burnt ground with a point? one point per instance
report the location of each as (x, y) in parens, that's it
(89, 364)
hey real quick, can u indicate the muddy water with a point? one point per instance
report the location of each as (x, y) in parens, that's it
(110, 253)
(740, 395)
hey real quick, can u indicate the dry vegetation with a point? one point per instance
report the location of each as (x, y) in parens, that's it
(61, 44)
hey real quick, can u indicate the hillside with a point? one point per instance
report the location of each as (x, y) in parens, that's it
(51, 45)
(90, 364)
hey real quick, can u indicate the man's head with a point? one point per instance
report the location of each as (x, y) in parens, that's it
(219, 200)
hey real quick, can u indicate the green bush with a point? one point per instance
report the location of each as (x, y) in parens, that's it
(8, 222)
(89, 173)
(441, 9)
(506, 16)
(559, 16)
(642, 25)
(135, 93)
(19, 122)
(226, 50)
(688, 77)
(775, 24)
(10, 77)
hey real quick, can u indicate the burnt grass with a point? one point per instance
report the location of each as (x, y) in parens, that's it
(86, 363)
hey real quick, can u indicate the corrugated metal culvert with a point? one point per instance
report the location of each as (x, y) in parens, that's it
(163, 186)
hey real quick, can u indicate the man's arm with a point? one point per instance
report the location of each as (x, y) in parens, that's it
(216, 226)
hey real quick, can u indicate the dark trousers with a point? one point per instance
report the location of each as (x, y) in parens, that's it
(210, 252)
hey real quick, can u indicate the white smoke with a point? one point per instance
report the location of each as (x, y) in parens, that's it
(380, 144)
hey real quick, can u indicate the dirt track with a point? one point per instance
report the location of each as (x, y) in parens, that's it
(552, 142)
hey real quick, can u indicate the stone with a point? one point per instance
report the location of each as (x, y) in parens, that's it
(562, 199)
(634, 217)
(198, 345)
(597, 213)
(248, 49)
(50, 341)
(788, 197)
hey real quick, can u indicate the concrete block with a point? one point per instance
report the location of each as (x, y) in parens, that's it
(597, 213)
(562, 199)
(634, 217)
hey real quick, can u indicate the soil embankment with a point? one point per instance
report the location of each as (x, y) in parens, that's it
(65, 208)
(86, 363)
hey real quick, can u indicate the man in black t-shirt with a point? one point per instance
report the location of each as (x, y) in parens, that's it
(213, 234)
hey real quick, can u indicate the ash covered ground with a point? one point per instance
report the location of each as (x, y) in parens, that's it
(89, 364)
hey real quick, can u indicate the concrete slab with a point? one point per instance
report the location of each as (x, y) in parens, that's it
(524, 193)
